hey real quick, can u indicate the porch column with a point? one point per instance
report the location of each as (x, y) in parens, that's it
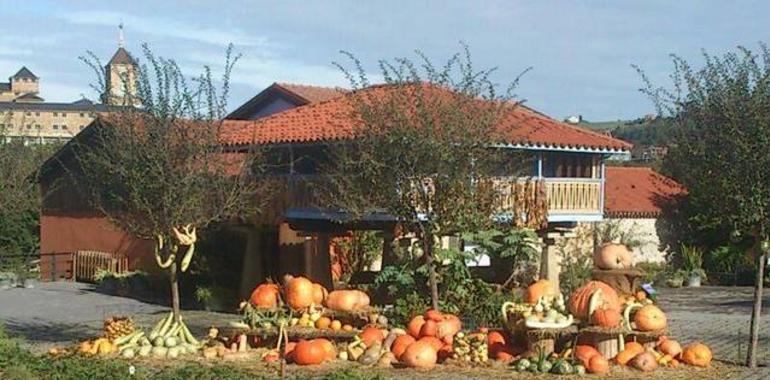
(253, 271)
(550, 261)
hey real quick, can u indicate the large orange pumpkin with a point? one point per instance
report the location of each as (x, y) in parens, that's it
(650, 318)
(265, 295)
(697, 354)
(420, 354)
(400, 345)
(299, 292)
(580, 302)
(645, 362)
(636, 346)
(625, 356)
(584, 353)
(496, 342)
(319, 294)
(606, 317)
(309, 352)
(371, 335)
(448, 327)
(429, 328)
(669, 346)
(433, 341)
(330, 352)
(598, 364)
(434, 315)
(539, 289)
(347, 300)
(613, 256)
(415, 325)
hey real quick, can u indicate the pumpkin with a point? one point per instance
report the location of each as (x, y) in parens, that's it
(445, 352)
(449, 327)
(288, 351)
(584, 353)
(625, 356)
(323, 323)
(496, 342)
(650, 318)
(415, 325)
(591, 296)
(634, 346)
(400, 345)
(299, 292)
(309, 352)
(371, 335)
(265, 295)
(697, 354)
(433, 341)
(420, 354)
(505, 355)
(606, 317)
(319, 294)
(598, 364)
(613, 256)
(429, 328)
(347, 300)
(645, 362)
(669, 346)
(330, 352)
(540, 289)
(434, 315)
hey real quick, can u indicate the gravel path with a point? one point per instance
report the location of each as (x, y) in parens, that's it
(61, 312)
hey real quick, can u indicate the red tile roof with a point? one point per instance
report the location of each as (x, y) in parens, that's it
(312, 94)
(637, 192)
(330, 120)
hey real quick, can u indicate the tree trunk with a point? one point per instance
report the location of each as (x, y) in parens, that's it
(174, 281)
(430, 260)
(751, 356)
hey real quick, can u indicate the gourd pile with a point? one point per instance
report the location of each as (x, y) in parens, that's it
(471, 348)
(544, 308)
(168, 338)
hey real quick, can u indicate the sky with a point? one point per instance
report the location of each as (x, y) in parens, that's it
(580, 52)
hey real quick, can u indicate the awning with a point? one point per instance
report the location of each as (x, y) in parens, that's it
(325, 220)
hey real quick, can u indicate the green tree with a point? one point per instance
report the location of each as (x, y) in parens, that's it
(422, 150)
(721, 117)
(159, 171)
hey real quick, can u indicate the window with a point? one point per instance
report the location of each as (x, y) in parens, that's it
(29, 126)
(29, 113)
(56, 114)
(63, 114)
(55, 126)
(64, 126)
(568, 165)
(82, 114)
(37, 126)
(37, 113)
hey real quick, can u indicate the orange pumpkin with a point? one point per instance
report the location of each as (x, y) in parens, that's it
(669, 346)
(613, 256)
(636, 346)
(330, 352)
(606, 317)
(371, 335)
(265, 295)
(309, 352)
(433, 341)
(496, 342)
(415, 325)
(299, 292)
(625, 356)
(420, 354)
(539, 289)
(650, 318)
(347, 300)
(445, 352)
(448, 327)
(584, 353)
(505, 355)
(580, 301)
(434, 315)
(645, 362)
(400, 345)
(319, 294)
(697, 354)
(598, 364)
(429, 328)
(288, 351)
(323, 323)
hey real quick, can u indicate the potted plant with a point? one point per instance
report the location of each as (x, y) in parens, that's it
(692, 265)
(204, 296)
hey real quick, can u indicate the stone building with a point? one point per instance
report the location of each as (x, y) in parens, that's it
(26, 116)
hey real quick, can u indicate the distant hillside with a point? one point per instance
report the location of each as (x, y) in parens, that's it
(640, 132)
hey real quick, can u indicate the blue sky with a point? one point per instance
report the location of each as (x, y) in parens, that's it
(580, 51)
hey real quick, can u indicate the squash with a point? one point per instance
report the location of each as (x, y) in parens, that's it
(591, 296)
(347, 300)
(330, 352)
(433, 341)
(434, 315)
(400, 345)
(606, 317)
(319, 294)
(371, 335)
(449, 327)
(309, 352)
(598, 364)
(288, 351)
(540, 289)
(613, 256)
(420, 354)
(697, 354)
(429, 328)
(415, 326)
(584, 353)
(645, 362)
(634, 346)
(625, 356)
(669, 346)
(299, 292)
(496, 342)
(650, 318)
(265, 295)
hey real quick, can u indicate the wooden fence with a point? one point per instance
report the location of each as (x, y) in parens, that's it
(56, 266)
(79, 266)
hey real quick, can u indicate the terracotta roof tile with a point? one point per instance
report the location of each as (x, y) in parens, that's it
(329, 120)
(637, 192)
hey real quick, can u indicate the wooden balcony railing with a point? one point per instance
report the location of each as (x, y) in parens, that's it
(574, 196)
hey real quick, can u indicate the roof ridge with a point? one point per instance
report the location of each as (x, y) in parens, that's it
(571, 126)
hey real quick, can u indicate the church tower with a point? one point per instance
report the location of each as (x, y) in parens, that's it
(121, 76)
